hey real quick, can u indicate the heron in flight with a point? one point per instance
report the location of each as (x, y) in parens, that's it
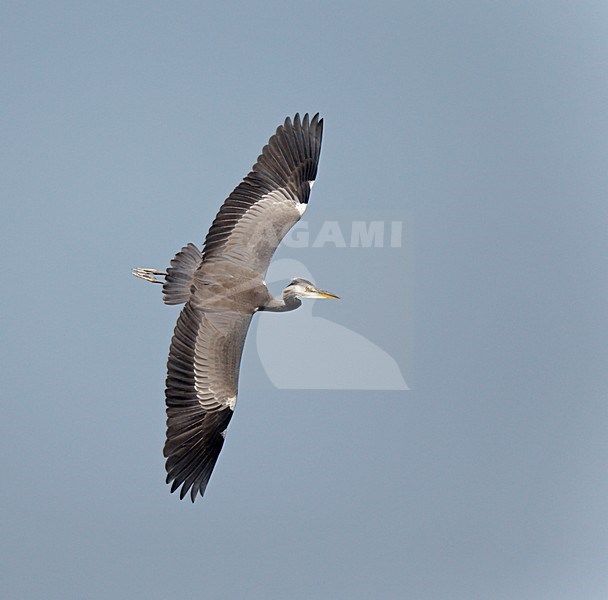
(222, 287)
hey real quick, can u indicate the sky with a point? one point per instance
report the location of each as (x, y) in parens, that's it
(474, 136)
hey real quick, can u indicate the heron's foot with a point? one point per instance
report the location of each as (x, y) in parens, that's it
(149, 274)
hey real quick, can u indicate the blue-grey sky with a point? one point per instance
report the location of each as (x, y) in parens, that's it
(482, 127)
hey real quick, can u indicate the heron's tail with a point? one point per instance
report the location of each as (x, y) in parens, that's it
(176, 288)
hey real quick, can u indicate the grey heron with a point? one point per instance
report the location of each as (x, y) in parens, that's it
(222, 287)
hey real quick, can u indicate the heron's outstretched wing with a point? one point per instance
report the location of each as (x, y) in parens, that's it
(203, 371)
(269, 201)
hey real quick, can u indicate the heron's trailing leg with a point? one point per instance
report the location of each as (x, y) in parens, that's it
(149, 274)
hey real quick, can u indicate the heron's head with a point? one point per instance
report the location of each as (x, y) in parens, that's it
(302, 288)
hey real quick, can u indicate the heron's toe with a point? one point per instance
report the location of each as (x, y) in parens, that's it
(148, 274)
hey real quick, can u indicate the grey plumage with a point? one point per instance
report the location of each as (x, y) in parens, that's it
(222, 287)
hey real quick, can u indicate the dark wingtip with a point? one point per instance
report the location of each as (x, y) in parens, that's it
(185, 490)
(302, 122)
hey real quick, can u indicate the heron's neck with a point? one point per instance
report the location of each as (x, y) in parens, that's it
(283, 304)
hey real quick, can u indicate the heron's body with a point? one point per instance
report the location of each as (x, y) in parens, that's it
(222, 287)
